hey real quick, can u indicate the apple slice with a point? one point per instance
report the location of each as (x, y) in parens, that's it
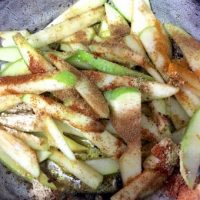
(58, 137)
(117, 24)
(85, 60)
(142, 17)
(125, 103)
(20, 153)
(76, 9)
(16, 68)
(85, 87)
(58, 111)
(150, 90)
(9, 54)
(37, 83)
(35, 62)
(190, 151)
(189, 46)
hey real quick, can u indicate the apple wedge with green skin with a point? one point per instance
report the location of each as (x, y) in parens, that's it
(35, 61)
(125, 103)
(150, 90)
(117, 24)
(9, 101)
(15, 68)
(9, 54)
(37, 83)
(119, 52)
(78, 168)
(84, 60)
(13, 166)
(189, 46)
(85, 88)
(84, 36)
(58, 137)
(76, 9)
(66, 28)
(58, 111)
(190, 151)
(105, 141)
(20, 153)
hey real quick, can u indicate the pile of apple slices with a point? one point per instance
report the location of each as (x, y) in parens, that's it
(97, 96)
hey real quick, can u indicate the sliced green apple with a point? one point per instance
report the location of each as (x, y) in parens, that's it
(83, 36)
(37, 83)
(58, 111)
(125, 103)
(85, 87)
(66, 28)
(15, 68)
(58, 137)
(189, 46)
(76, 9)
(86, 60)
(117, 24)
(78, 168)
(12, 165)
(43, 155)
(190, 151)
(104, 166)
(149, 89)
(35, 62)
(20, 153)
(157, 46)
(125, 8)
(142, 16)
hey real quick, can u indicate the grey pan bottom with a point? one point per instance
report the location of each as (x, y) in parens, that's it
(34, 15)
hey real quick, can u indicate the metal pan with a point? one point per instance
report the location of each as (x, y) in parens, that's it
(34, 15)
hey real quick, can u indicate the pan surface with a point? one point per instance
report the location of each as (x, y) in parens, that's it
(34, 15)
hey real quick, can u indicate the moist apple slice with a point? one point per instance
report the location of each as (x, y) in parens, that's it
(9, 54)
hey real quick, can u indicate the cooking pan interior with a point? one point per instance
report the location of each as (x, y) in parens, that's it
(34, 15)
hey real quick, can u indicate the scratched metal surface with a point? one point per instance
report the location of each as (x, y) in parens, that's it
(34, 15)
